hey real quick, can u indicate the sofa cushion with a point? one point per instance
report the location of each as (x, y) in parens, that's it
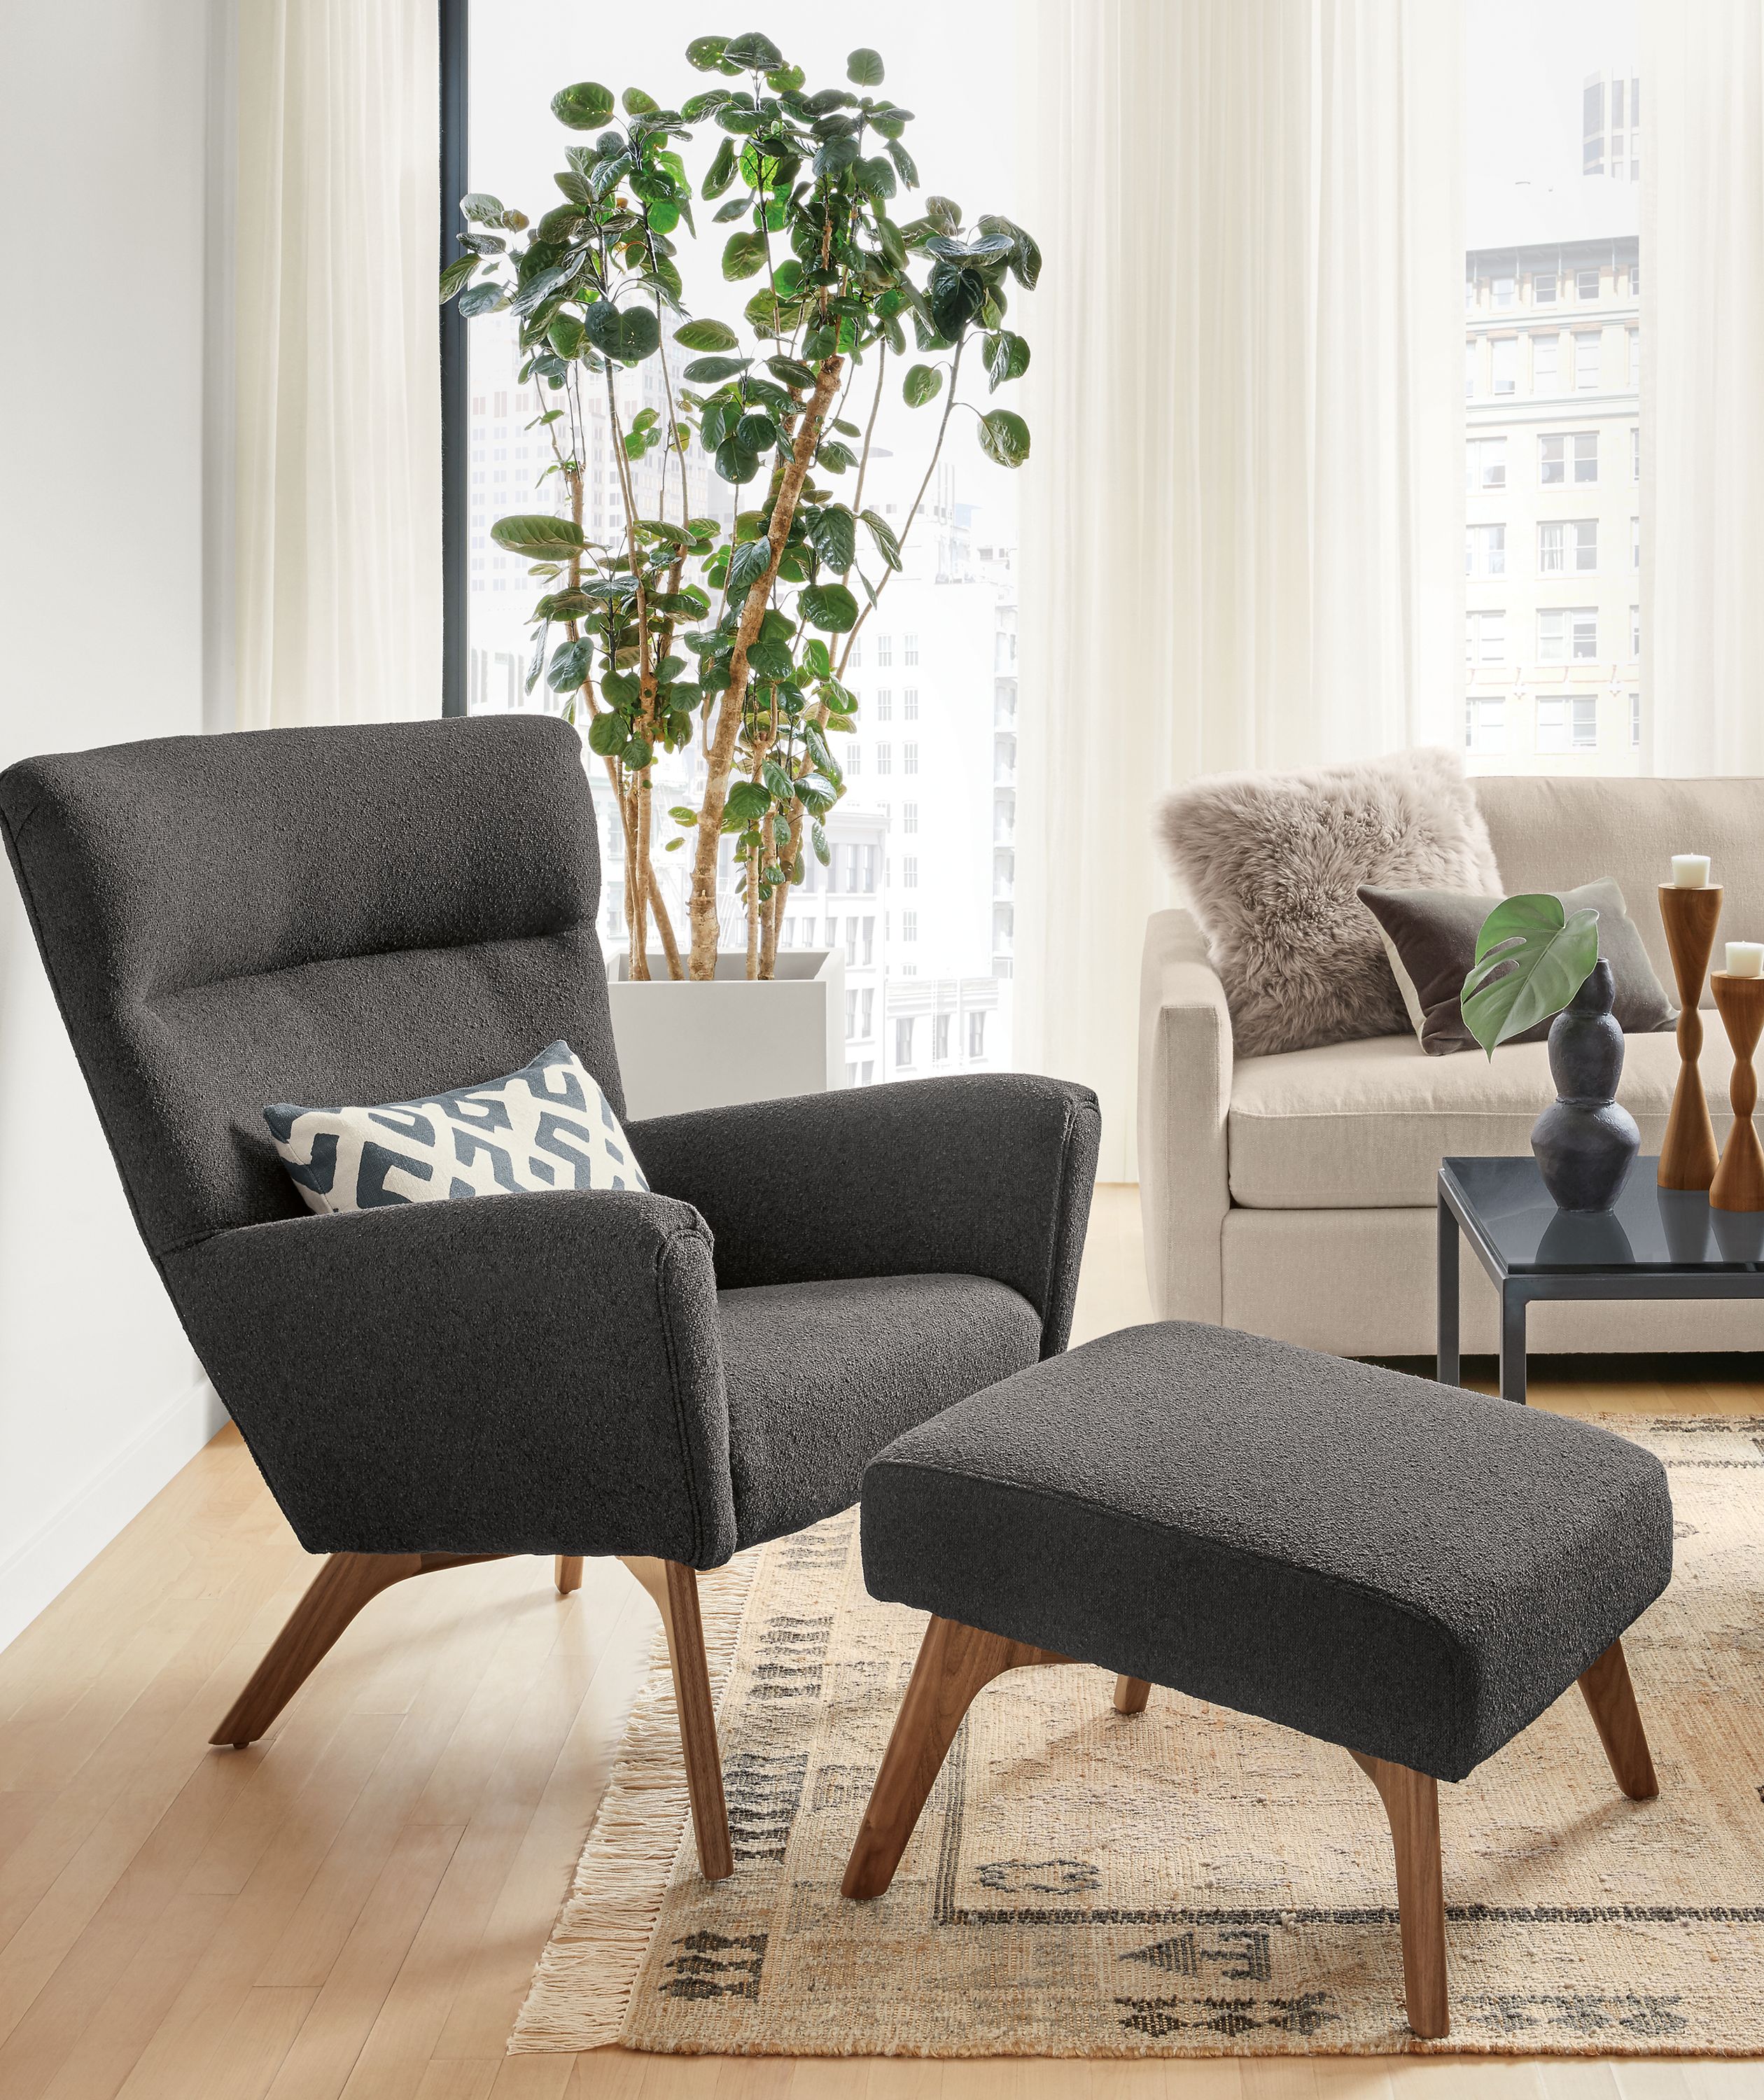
(1364, 1126)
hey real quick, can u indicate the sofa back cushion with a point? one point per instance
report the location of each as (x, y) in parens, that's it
(1555, 834)
(361, 913)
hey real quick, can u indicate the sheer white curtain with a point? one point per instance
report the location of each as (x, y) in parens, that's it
(338, 419)
(1703, 383)
(1242, 540)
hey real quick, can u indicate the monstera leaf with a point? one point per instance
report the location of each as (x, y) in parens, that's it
(1531, 960)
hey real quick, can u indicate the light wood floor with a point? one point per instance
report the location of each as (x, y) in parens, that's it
(353, 1907)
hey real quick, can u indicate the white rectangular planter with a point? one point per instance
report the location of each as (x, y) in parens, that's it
(703, 1046)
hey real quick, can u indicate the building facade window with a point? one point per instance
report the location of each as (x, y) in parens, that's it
(1543, 288)
(885, 705)
(1635, 357)
(884, 757)
(909, 871)
(977, 1035)
(909, 817)
(1485, 637)
(1587, 349)
(909, 758)
(1568, 635)
(1635, 542)
(1503, 363)
(910, 704)
(1485, 725)
(1568, 547)
(1587, 283)
(1505, 291)
(1570, 723)
(909, 925)
(1545, 374)
(903, 1041)
(1485, 550)
(1635, 633)
(884, 652)
(1485, 463)
(940, 1038)
(910, 649)
(1635, 721)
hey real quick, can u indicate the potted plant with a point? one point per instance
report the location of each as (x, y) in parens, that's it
(671, 636)
(1534, 958)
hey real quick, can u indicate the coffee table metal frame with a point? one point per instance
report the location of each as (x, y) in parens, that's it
(1520, 1288)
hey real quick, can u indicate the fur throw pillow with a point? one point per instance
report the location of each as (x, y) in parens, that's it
(1272, 862)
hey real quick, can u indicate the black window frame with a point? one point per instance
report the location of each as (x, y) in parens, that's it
(455, 16)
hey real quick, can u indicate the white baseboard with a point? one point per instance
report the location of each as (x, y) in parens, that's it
(36, 1573)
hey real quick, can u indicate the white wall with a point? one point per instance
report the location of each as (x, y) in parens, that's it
(104, 132)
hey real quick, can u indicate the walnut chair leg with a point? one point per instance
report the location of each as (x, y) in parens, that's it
(1132, 1694)
(569, 1573)
(1611, 1698)
(675, 1589)
(1412, 1802)
(956, 1664)
(342, 1586)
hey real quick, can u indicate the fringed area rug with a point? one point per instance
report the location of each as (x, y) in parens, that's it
(1186, 1883)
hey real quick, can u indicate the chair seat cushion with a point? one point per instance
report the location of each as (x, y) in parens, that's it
(820, 1376)
(1364, 1126)
(1408, 1570)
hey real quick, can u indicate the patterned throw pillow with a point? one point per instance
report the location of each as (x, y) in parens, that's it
(547, 1126)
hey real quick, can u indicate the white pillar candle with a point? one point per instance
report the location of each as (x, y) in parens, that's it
(1689, 871)
(1745, 959)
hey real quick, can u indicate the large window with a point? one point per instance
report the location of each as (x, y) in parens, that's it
(1553, 144)
(948, 619)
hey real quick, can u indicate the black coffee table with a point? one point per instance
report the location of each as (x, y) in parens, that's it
(1653, 1243)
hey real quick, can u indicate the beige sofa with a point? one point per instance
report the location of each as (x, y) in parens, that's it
(1294, 1195)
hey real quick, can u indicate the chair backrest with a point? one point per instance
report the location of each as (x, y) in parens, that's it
(321, 915)
(1555, 833)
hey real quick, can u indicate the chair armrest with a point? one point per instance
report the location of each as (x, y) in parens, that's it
(1185, 1100)
(988, 1174)
(518, 1373)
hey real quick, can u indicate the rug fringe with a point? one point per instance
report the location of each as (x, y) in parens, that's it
(628, 1860)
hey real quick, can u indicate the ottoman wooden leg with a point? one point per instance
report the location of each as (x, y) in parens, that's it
(1132, 1694)
(956, 1664)
(1412, 1802)
(1610, 1696)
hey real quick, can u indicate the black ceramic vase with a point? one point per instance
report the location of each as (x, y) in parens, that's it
(1584, 1141)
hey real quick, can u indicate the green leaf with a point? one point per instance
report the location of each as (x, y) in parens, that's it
(791, 371)
(1007, 357)
(817, 840)
(1025, 257)
(777, 780)
(586, 107)
(883, 533)
(834, 456)
(945, 213)
(721, 172)
(904, 161)
(682, 815)
(458, 273)
(923, 383)
(863, 68)
(606, 735)
(704, 371)
(481, 205)
(706, 335)
(1004, 437)
(539, 539)
(628, 334)
(571, 666)
(829, 606)
(755, 433)
(744, 256)
(874, 178)
(753, 53)
(836, 155)
(637, 753)
(486, 298)
(751, 561)
(833, 535)
(748, 802)
(1532, 958)
(706, 53)
(637, 104)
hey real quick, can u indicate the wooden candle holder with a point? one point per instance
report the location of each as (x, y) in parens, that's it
(1738, 1183)
(1690, 916)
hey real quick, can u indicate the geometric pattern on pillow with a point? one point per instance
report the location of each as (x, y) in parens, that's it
(548, 1126)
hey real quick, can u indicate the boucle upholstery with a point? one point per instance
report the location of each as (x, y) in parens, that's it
(1406, 1569)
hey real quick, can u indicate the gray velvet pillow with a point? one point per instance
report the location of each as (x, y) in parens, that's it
(1272, 862)
(1430, 937)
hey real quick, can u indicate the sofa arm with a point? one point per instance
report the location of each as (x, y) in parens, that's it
(1185, 1100)
(518, 1374)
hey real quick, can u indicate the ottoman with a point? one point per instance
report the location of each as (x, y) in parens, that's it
(1407, 1569)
